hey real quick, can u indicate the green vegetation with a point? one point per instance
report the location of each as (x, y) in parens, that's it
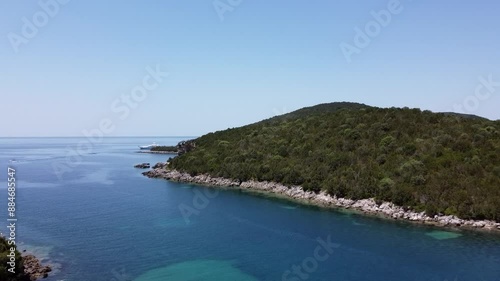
(19, 269)
(165, 148)
(440, 163)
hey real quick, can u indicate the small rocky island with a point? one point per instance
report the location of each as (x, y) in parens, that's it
(143, 166)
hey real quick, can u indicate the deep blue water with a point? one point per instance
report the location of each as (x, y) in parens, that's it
(102, 220)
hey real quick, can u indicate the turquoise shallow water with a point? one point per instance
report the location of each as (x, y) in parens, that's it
(197, 270)
(104, 221)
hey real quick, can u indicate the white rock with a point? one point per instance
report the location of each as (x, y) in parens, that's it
(322, 198)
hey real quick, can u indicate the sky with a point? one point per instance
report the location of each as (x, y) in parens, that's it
(186, 68)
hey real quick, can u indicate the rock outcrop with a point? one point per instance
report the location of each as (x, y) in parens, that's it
(34, 269)
(159, 165)
(143, 166)
(369, 206)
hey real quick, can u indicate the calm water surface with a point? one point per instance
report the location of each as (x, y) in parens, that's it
(102, 220)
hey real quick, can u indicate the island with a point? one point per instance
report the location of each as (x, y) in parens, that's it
(435, 168)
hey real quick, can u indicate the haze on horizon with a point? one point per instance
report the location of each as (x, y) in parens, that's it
(185, 69)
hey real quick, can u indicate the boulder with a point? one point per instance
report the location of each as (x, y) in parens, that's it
(159, 165)
(143, 166)
(479, 224)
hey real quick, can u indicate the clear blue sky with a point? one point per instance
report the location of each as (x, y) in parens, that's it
(265, 57)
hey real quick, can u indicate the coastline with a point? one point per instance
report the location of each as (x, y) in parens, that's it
(159, 152)
(25, 265)
(322, 199)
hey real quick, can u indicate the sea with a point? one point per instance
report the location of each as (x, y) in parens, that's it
(82, 207)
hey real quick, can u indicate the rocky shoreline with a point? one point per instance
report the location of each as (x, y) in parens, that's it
(367, 206)
(34, 268)
(159, 152)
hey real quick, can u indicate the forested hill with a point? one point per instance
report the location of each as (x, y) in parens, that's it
(441, 163)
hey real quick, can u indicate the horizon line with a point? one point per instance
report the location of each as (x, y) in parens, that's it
(19, 137)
